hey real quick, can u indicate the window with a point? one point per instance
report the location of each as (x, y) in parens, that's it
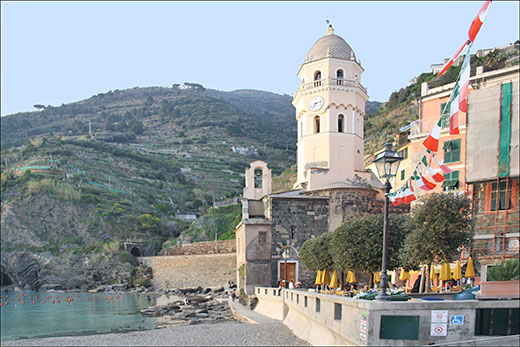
(451, 182)
(445, 120)
(404, 153)
(337, 311)
(262, 237)
(451, 151)
(316, 124)
(318, 305)
(499, 193)
(339, 76)
(403, 174)
(317, 78)
(305, 301)
(341, 122)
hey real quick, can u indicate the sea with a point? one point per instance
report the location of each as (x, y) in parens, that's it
(37, 314)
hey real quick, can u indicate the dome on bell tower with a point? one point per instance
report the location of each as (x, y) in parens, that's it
(332, 46)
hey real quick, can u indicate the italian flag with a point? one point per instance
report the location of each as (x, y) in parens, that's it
(443, 166)
(454, 111)
(392, 199)
(464, 84)
(477, 22)
(437, 176)
(432, 141)
(452, 60)
(409, 195)
(424, 184)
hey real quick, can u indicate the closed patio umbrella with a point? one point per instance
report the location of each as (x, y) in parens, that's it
(445, 272)
(457, 273)
(325, 277)
(377, 277)
(403, 276)
(470, 270)
(432, 272)
(334, 280)
(318, 278)
(351, 277)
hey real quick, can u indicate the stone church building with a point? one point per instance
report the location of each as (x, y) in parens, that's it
(332, 185)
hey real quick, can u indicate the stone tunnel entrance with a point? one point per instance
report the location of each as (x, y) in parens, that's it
(135, 251)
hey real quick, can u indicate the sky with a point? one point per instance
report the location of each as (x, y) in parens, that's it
(61, 52)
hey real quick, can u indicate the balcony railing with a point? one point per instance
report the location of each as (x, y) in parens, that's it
(325, 82)
(424, 126)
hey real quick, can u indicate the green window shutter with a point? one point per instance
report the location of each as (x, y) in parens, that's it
(456, 151)
(447, 111)
(452, 151)
(403, 173)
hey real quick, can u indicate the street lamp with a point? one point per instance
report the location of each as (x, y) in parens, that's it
(285, 256)
(387, 163)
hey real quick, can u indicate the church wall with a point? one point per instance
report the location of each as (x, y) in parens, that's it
(305, 218)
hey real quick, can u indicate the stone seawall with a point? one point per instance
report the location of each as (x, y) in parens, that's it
(204, 247)
(180, 271)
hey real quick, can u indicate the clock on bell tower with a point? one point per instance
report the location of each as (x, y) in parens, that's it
(330, 106)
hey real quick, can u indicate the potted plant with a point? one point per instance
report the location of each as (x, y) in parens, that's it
(502, 281)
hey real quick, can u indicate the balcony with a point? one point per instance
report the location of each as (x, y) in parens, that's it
(424, 126)
(327, 82)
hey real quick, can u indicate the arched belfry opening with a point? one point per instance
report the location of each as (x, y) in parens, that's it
(258, 180)
(339, 77)
(317, 124)
(317, 78)
(258, 177)
(341, 123)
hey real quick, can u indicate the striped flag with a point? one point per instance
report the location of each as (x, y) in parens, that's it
(454, 111)
(409, 195)
(452, 60)
(464, 84)
(443, 166)
(432, 141)
(477, 22)
(424, 184)
(437, 176)
(473, 31)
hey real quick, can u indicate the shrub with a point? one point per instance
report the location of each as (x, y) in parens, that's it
(504, 272)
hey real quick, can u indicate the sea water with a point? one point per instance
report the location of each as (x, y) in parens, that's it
(75, 313)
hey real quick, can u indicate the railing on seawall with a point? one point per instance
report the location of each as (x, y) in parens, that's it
(336, 320)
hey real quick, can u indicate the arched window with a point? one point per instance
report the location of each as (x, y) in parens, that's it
(317, 78)
(341, 123)
(316, 124)
(258, 178)
(339, 77)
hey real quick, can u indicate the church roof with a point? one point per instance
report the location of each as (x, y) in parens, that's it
(330, 45)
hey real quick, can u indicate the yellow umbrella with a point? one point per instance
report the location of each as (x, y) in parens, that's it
(334, 281)
(351, 277)
(457, 273)
(432, 272)
(318, 278)
(470, 270)
(325, 277)
(377, 277)
(403, 276)
(445, 272)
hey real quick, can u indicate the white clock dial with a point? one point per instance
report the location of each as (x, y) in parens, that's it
(315, 103)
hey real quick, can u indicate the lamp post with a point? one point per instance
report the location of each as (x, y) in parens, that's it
(285, 256)
(387, 163)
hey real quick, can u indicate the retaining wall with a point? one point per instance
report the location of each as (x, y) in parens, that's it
(208, 270)
(323, 319)
(203, 247)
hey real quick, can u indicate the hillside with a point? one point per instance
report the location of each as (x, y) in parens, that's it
(402, 106)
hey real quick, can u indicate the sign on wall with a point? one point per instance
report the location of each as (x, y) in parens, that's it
(457, 319)
(439, 329)
(363, 326)
(439, 323)
(439, 316)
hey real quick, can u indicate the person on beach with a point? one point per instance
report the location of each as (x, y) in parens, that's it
(186, 301)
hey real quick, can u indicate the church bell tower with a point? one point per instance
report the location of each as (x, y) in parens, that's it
(330, 106)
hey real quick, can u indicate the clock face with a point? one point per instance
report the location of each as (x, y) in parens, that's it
(315, 103)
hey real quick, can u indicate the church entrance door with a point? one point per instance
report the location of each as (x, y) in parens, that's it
(290, 268)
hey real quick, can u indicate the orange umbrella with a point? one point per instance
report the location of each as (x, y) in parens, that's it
(351, 277)
(334, 281)
(377, 277)
(457, 273)
(325, 277)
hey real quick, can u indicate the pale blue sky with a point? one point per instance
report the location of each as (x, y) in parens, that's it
(60, 52)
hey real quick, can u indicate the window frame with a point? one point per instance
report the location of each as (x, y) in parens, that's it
(452, 181)
(449, 154)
